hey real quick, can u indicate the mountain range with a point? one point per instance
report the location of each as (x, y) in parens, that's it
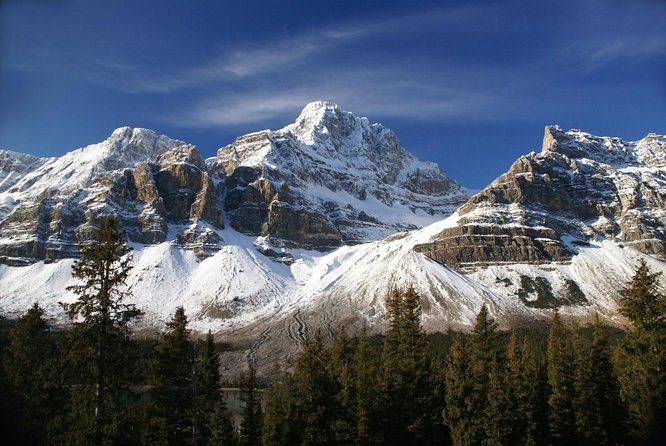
(310, 227)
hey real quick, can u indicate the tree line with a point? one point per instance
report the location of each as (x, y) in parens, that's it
(94, 383)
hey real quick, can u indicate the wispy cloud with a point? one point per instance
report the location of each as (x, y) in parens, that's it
(598, 35)
(351, 63)
(374, 92)
(248, 60)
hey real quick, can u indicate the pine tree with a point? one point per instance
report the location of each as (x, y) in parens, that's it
(30, 364)
(316, 389)
(279, 417)
(366, 386)
(484, 349)
(342, 370)
(641, 361)
(413, 414)
(222, 430)
(251, 424)
(588, 413)
(458, 393)
(174, 386)
(532, 405)
(99, 341)
(642, 302)
(561, 416)
(605, 388)
(496, 421)
(207, 381)
(515, 395)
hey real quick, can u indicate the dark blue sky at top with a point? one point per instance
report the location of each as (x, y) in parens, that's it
(468, 84)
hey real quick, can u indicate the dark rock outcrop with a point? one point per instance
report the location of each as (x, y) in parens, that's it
(586, 187)
(308, 184)
(326, 180)
(477, 244)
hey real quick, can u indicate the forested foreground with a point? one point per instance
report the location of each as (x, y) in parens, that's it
(95, 383)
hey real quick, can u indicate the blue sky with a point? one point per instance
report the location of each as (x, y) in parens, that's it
(468, 84)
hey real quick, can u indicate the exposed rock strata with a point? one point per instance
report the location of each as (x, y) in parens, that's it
(320, 182)
(581, 186)
(147, 182)
(328, 179)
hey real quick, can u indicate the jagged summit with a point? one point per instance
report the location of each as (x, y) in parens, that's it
(576, 144)
(581, 187)
(322, 120)
(328, 179)
(353, 180)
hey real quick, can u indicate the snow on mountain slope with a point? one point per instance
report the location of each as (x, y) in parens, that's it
(75, 170)
(47, 205)
(249, 243)
(343, 179)
(238, 289)
(327, 180)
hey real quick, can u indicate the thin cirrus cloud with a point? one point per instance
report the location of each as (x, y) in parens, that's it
(347, 63)
(423, 89)
(248, 61)
(288, 54)
(375, 92)
(598, 36)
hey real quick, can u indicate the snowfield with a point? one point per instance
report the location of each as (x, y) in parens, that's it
(239, 287)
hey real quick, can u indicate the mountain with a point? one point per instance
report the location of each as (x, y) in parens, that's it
(579, 188)
(309, 227)
(328, 179)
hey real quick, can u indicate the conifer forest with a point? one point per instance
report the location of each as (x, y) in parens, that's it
(94, 382)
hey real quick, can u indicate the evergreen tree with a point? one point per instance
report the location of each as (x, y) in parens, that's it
(316, 390)
(516, 398)
(561, 416)
(366, 386)
(641, 361)
(342, 370)
(588, 413)
(207, 381)
(30, 364)
(531, 399)
(174, 386)
(605, 388)
(99, 342)
(413, 412)
(458, 393)
(497, 425)
(279, 417)
(484, 350)
(642, 302)
(222, 430)
(251, 424)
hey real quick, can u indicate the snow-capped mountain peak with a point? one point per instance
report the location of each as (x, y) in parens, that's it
(320, 121)
(268, 240)
(576, 144)
(354, 179)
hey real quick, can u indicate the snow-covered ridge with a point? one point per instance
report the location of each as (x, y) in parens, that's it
(125, 148)
(648, 152)
(237, 240)
(353, 182)
(334, 163)
(240, 292)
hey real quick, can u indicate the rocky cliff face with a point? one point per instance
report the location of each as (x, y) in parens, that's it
(579, 188)
(144, 180)
(328, 179)
(555, 231)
